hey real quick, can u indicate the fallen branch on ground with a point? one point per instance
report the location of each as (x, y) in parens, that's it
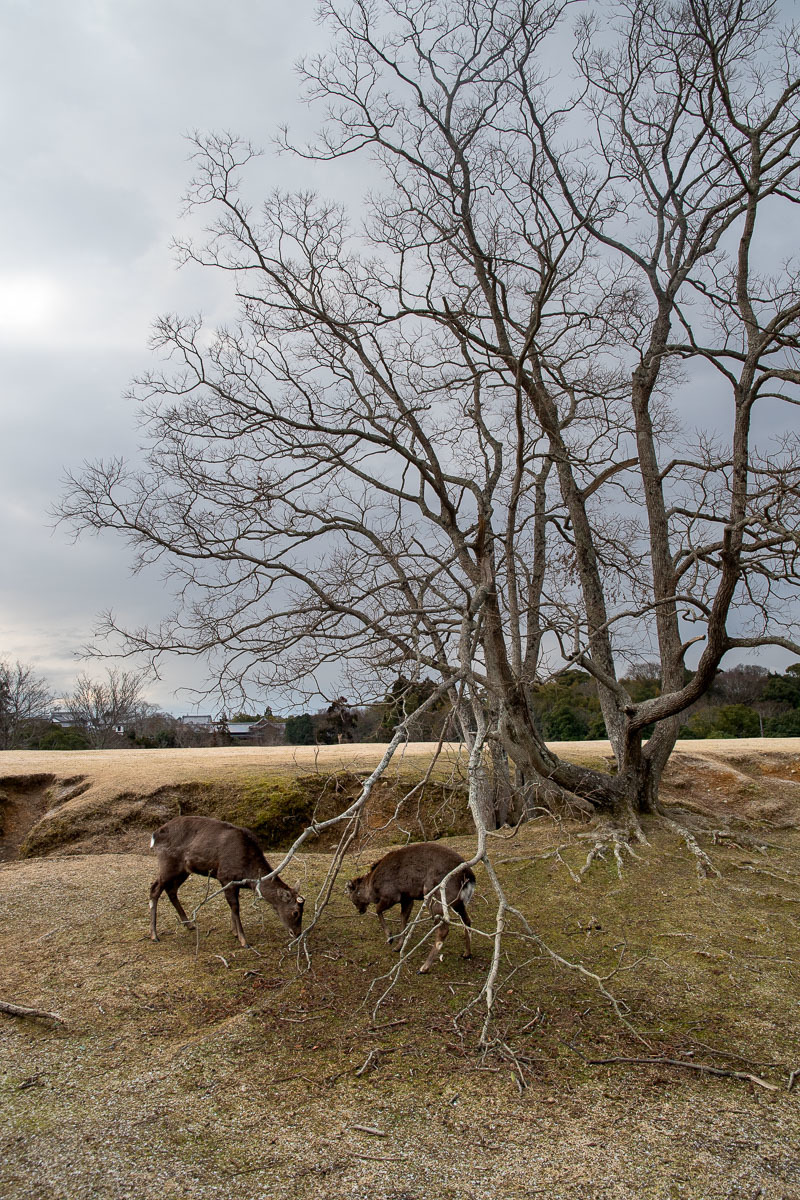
(678, 1062)
(18, 1010)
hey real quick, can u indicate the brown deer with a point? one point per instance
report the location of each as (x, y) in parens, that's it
(203, 846)
(411, 873)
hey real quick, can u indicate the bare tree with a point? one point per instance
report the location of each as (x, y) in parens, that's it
(25, 697)
(452, 442)
(104, 706)
(742, 684)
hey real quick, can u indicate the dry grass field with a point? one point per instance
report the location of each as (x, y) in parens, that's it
(192, 1068)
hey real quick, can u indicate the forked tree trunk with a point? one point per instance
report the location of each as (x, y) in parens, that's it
(568, 788)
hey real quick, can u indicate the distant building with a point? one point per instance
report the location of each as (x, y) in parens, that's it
(64, 717)
(266, 731)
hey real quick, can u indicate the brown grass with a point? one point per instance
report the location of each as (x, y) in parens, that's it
(194, 1069)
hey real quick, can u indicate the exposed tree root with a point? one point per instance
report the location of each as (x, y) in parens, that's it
(618, 837)
(612, 837)
(744, 841)
(705, 866)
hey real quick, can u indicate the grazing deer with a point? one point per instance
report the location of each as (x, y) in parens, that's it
(411, 873)
(231, 855)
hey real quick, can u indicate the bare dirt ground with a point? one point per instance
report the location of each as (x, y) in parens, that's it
(192, 1068)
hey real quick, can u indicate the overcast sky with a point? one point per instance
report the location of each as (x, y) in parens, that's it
(98, 96)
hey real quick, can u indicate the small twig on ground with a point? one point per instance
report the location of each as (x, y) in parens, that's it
(370, 1129)
(34, 1081)
(388, 1025)
(793, 1075)
(556, 854)
(264, 1166)
(678, 1062)
(790, 882)
(329, 1080)
(379, 1157)
(372, 1060)
(535, 1021)
(375, 1055)
(19, 1010)
(303, 1020)
(754, 1062)
(517, 1072)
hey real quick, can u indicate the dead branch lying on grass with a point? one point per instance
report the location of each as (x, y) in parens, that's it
(388, 1025)
(679, 1062)
(19, 1010)
(753, 1062)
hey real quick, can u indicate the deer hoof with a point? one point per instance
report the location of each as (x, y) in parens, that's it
(189, 925)
(423, 969)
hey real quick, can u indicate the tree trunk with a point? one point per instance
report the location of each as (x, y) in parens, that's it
(507, 808)
(568, 788)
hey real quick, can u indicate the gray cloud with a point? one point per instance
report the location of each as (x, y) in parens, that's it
(96, 100)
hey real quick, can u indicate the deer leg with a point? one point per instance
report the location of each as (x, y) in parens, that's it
(232, 896)
(440, 933)
(156, 888)
(406, 905)
(172, 891)
(461, 908)
(380, 908)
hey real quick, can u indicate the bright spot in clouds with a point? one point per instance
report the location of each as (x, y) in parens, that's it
(28, 307)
